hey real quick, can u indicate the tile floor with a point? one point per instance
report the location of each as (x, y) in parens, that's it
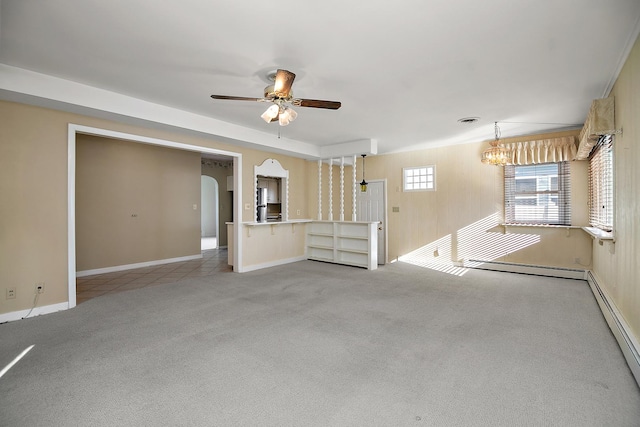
(212, 262)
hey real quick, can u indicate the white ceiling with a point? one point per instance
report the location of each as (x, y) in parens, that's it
(405, 71)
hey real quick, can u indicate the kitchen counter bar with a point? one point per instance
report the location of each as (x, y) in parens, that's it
(278, 243)
(291, 221)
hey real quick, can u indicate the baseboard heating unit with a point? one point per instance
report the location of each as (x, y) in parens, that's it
(619, 327)
(566, 273)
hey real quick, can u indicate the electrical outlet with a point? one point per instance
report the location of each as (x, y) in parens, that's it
(11, 293)
(576, 260)
(40, 288)
(298, 212)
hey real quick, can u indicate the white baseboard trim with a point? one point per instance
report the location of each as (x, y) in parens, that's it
(566, 273)
(254, 267)
(137, 265)
(46, 309)
(619, 327)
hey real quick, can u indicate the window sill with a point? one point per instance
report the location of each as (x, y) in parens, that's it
(598, 234)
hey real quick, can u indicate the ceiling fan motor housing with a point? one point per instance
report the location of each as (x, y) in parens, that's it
(269, 93)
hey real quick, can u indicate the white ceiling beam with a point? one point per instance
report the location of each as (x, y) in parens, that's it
(350, 148)
(20, 85)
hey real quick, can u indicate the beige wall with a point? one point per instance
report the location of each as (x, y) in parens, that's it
(460, 219)
(617, 264)
(33, 205)
(220, 172)
(33, 180)
(134, 203)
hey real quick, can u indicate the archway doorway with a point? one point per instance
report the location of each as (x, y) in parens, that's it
(209, 230)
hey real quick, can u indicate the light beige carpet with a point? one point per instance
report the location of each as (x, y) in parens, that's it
(313, 344)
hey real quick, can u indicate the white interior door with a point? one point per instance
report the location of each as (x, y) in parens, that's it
(371, 207)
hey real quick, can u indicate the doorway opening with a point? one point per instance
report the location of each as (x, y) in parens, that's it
(372, 206)
(74, 130)
(209, 202)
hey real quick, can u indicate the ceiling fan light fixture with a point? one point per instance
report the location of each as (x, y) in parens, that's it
(292, 114)
(271, 113)
(287, 115)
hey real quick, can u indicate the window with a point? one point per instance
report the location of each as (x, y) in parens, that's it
(537, 194)
(601, 184)
(422, 178)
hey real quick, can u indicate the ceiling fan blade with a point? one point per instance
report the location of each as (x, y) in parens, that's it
(317, 103)
(284, 81)
(235, 98)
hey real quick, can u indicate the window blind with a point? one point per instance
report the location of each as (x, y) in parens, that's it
(601, 184)
(538, 194)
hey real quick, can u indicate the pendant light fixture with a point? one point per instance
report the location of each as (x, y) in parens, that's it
(497, 154)
(363, 184)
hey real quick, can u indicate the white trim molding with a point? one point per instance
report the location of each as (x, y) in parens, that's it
(273, 263)
(37, 311)
(136, 265)
(621, 331)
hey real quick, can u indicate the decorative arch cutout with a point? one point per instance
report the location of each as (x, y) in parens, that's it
(271, 168)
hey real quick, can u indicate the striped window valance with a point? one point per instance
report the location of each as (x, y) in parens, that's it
(549, 150)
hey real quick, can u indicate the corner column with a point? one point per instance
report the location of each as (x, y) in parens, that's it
(355, 180)
(319, 190)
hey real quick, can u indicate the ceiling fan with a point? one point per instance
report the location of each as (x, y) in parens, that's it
(280, 94)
